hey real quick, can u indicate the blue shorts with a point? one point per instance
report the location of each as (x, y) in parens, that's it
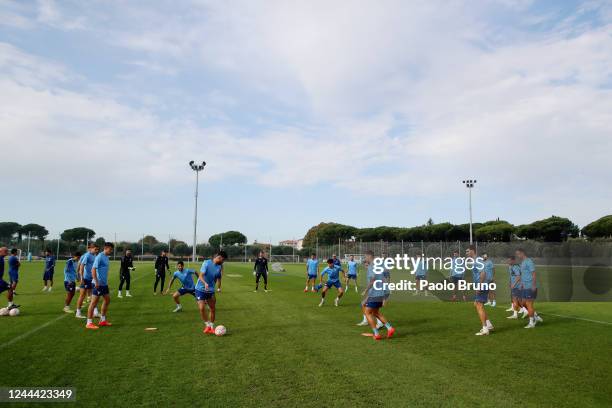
(457, 279)
(312, 277)
(482, 296)
(3, 285)
(48, 275)
(374, 304)
(100, 290)
(337, 284)
(354, 277)
(203, 295)
(185, 291)
(70, 286)
(517, 293)
(530, 294)
(420, 277)
(86, 284)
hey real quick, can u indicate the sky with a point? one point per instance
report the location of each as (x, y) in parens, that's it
(366, 113)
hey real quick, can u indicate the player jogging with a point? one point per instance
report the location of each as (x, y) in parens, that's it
(205, 289)
(4, 286)
(374, 297)
(515, 287)
(70, 277)
(49, 271)
(312, 272)
(352, 267)
(185, 276)
(480, 277)
(99, 272)
(85, 264)
(125, 272)
(457, 274)
(529, 286)
(333, 279)
(161, 265)
(260, 268)
(490, 271)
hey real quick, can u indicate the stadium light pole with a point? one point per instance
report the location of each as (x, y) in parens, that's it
(470, 185)
(197, 168)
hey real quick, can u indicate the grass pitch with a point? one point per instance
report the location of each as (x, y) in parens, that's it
(283, 350)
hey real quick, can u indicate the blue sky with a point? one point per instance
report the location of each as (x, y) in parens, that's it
(365, 113)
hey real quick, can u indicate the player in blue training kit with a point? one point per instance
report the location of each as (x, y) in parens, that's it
(333, 279)
(352, 267)
(185, 276)
(85, 264)
(49, 271)
(70, 277)
(312, 272)
(457, 274)
(420, 273)
(479, 276)
(14, 265)
(210, 272)
(375, 295)
(489, 268)
(514, 271)
(99, 273)
(5, 286)
(529, 287)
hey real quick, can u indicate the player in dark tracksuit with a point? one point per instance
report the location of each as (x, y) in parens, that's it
(261, 269)
(127, 266)
(161, 266)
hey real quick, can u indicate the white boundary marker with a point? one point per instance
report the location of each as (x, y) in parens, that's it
(34, 330)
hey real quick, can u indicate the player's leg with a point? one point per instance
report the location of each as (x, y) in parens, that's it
(265, 278)
(340, 294)
(369, 312)
(11, 294)
(80, 300)
(90, 312)
(121, 282)
(257, 277)
(364, 321)
(70, 289)
(323, 293)
(105, 304)
(381, 321)
(176, 296)
(128, 280)
(479, 302)
(50, 281)
(212, 304)
(157, 279)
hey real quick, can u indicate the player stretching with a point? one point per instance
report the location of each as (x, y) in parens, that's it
(185, 276)
(374, 297)
(515, 287)
(479, 276)
(261, 269)
(4, 286)
(99, 273)
(333, 279)
(490, 271)
(70, 277)
(49, 271)
(312, 271)
(205, 289)
(529, 286)
(457, 274)
(352, 273)
(85, 264)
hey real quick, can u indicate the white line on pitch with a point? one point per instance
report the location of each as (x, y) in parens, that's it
(27, 334)
(575, 318)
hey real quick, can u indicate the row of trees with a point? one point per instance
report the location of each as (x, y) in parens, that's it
(552, 229)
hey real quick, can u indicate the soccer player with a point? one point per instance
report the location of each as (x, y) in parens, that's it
(125, 270)
(479, 276)
(161, 265)
(49, 271)
(14, 265)
(420, 273)
(85, 288)
(374, 299)
(99, 273)
(457, 274)
(4, 286)
(529, 285)
(312, 271)
(490, 271)
(336, 261)
(333, 279)
(205, 289)
(261, 269)
(352, 273)
(515, 287)
(185, 276)
(70, 277)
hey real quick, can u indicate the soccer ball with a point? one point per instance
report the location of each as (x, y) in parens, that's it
(220, 331)
(4, 311)
(14, 312)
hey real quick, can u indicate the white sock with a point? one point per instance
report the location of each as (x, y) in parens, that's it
(364, 318)
(10, 304)
(89, 321)
(489, 323)
(102, 318)
(484, 328)
(531, 321)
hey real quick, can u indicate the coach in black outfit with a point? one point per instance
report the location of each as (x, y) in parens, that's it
(125, 270)
(261, 269)
(161, 265)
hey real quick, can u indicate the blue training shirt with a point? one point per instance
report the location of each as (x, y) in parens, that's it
(87, 260)
(515, 274)
(49, 263)
(13, 263)
(313, 267)
(476, 273)
(421, 270)
(101, 264)
(186, 278)
(333, 273)
(489, 268)
(70, 271)
(376, 279)
(457, 268)
(211, 273)
(352, 268)
(527, 270)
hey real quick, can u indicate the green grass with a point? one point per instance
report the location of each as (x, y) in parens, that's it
(282, 350)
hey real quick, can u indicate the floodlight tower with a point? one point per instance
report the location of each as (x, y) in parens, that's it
(470, 185)
(197, 168)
